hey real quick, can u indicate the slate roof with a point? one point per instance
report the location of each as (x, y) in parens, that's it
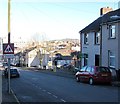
(95, 25)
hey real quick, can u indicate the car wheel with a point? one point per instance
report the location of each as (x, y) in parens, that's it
(77, 79)
(91, 81)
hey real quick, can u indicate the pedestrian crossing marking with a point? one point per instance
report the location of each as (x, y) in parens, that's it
(8, 49)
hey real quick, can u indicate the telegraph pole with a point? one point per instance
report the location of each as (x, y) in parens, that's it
(9, 43)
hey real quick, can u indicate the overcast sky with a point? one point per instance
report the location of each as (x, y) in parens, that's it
(49, 19)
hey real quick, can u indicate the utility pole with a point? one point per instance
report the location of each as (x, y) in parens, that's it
(9, 43)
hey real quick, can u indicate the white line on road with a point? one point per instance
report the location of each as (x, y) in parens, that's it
(55, 96)
(15, 97)
(44, 90)
(49, 93)
(62, 100)
(36, 70)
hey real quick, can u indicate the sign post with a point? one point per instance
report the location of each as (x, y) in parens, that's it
(8, 48)
(8, 51)
(8, 43)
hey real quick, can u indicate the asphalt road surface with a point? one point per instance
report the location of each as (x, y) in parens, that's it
(34, 86)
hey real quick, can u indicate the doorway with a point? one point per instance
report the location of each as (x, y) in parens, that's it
(97, 57)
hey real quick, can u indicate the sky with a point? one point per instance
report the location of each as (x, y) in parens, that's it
(49, 19)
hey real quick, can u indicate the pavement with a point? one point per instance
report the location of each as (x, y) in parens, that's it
(11, 98)
(6, 97)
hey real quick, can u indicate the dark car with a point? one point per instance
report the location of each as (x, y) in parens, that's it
(94, 74)
(5, 65)
(64, 66)
(13, 73)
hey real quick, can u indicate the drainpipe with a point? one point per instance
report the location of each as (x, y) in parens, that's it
(100, 60)
(80, 48)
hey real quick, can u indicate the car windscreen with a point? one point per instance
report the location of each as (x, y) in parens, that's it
(83, 69)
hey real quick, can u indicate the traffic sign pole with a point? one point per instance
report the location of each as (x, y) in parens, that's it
(9, 90)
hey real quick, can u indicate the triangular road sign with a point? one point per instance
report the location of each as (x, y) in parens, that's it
(8, 49)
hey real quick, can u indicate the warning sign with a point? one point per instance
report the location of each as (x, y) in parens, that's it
(8, 48)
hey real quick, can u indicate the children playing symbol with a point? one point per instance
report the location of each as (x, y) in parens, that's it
(8, 49)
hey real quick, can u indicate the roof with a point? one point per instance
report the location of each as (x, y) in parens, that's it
(25, 51)
(108, 17)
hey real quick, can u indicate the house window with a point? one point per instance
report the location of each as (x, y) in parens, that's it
(85, 38)
(97, 38)
(111, 59)
(85, 59)
(112, 33)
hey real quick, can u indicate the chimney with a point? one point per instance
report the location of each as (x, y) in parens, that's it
(105, 10)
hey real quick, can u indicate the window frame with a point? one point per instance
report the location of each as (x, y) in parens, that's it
(85, 59)
(97, 38)
(86, 38)
(112, 31)
(111, 56)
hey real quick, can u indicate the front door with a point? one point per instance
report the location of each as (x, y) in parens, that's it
(97, 57)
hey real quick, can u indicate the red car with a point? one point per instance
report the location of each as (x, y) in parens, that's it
(93, 74)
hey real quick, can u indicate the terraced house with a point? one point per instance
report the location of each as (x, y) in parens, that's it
(100, 41)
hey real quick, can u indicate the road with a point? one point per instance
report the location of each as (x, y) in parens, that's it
(34, 86)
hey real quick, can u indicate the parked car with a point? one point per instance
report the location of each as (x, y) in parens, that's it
(76, 69)
(94, 74)
(66, 66)
(13, 72)
(5, 65)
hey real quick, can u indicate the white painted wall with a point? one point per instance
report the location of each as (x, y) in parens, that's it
(91, 49)
(33, 59)
(110, 44)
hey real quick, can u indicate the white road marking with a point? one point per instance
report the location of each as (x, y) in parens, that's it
(55, 96)
(44, 90)
(62, 100)
(49, 93)
(15, 97)
(36, 70)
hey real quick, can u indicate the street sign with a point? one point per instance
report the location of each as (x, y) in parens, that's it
(9, 56)
(8, 48)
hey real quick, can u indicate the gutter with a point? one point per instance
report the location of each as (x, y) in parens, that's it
(100, 59)
(105, 23)
(80, 48)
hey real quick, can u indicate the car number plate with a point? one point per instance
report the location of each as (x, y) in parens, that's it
(13, 75)
(104, 75)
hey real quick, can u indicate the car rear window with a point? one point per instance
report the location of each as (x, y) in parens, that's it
(13, 70)
(103, 69)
